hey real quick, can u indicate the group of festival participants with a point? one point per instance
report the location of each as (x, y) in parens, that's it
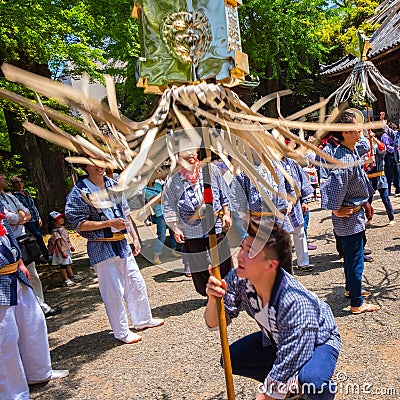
(295, 351)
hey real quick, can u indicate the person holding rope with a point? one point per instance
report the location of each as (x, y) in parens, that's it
(104, 226)
(298, 343)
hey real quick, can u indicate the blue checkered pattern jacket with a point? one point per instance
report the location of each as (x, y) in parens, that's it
(347, 187)
(298, 322)
(300, 177)
(29, 203)
(362, 147)
(379, 164)
(181, 201)
(246, 196)
(77, 211)
(8, 283)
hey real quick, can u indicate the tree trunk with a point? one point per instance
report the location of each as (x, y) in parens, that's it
(272, 87)
(45, 167)
(266, 87)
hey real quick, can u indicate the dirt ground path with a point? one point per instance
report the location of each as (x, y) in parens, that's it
(181, 359)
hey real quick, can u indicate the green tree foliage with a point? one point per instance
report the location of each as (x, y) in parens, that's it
(286, 40)
(284, 34)
(65, 38)
(4, 139)
(12, 165)
(133, 102)
(59, 38)
(83, 33)
(346, 18)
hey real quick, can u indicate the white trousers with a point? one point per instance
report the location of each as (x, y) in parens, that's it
(24, 347)
(37, 287)
(300, 246)
(120, 279)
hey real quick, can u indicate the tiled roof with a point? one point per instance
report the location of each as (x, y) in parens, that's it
(385, 38)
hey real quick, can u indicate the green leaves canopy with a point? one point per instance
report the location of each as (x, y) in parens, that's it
(283, 33)
(80, 32)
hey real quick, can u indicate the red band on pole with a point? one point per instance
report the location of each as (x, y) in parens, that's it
(208, 195)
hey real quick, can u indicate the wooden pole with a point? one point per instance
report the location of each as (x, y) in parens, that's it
(212, 238)
(371, 148)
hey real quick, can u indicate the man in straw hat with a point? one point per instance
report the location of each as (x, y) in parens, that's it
(104, 222)
(298, 343)
(24, 347)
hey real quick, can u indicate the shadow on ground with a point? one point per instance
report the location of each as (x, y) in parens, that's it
(79, 301)
(179, 308)
(170, 276)
(326, 262)
(78, 351)
(383, 290)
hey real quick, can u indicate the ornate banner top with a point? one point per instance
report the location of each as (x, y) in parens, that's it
(189, 41)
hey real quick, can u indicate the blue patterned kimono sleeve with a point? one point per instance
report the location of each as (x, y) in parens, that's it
(323, 170)
(13, 239)
(126, 212)
(289, 188)
(305, 185)
(224, 190)
(233, 296)
(281, 204)
(170, 200)
(239, 198)
(3, 260)
(300, 178)
(334, 189)
(76, 210)
(362, 146)
(297, 323)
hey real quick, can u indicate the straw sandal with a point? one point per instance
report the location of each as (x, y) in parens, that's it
(364, 308)
(305, 268)
(363, 294)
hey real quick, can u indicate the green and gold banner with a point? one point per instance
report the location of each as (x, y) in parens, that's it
(189, 41)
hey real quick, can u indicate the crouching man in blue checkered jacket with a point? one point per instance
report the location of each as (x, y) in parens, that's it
(298, 344)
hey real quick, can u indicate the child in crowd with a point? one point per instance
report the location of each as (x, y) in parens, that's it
(62, 249)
